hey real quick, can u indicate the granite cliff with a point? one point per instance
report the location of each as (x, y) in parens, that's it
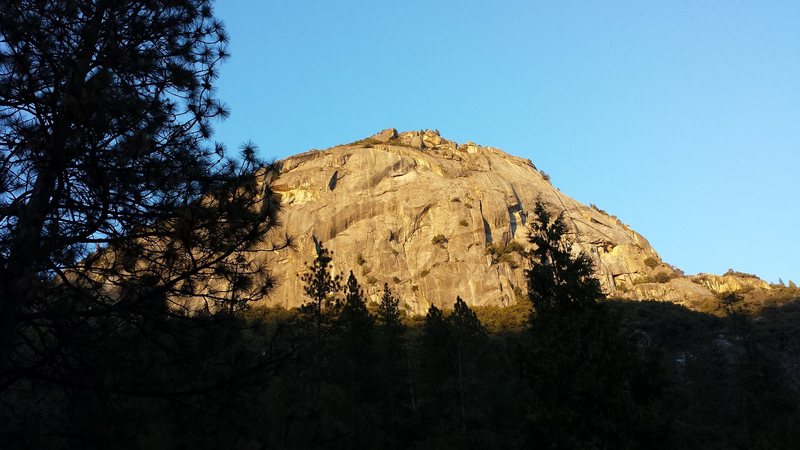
(436, 219)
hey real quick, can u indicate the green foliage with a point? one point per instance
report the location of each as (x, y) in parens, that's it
(505, 253)
(369, 143)
(662, 277)
(360, 260)
(736, 273)
(658, 277)
(598, 209)
(463, 222)
(544, 175)
(504, 319)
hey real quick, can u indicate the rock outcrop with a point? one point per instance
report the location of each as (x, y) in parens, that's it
(436, 219)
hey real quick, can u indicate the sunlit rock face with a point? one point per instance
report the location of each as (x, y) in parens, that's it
(424, 214)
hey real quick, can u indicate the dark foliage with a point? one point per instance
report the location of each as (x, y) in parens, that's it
(593, 388)
(558, 282)
(118, 218)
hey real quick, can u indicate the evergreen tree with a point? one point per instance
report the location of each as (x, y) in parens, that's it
(354, 318)
(394, 358)
(558, 281)
(434, 357)
(354, 370)
(116, 211)
(318, 315)
(466, 339)
(389, 315)
(435, 335)
(355, 337)
(464, 323)
(438, 384)
(397, 394)
(592, 388)
(318, 321)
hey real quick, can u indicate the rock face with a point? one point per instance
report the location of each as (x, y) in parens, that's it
(434, 219)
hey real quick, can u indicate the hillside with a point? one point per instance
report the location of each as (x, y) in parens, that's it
(436, 219)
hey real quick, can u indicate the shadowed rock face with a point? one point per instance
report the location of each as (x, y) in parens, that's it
(383, 204)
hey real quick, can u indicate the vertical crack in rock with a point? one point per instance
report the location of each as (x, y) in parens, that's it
(334, 179)
(519, 208)
(487, 230)
(513, 210)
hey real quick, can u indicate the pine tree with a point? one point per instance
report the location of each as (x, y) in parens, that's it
(107, 176)
(558, 281)
(397, 390)
(464, 323)
(591, 387)
(319, 314)
(434, 355)
(389, 315)
(318, 322)
(354, 317)
(122, 226)
(355, 335)
(467, 335)
(435, 331)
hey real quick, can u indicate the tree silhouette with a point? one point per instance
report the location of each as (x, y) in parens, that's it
(593, 388)
(354, 362)
(317, 319)
(354, 317)
(434, 356)
(117, 214)
(321, 288)
(558, 281)
(356, 336)
(467, 334)
(389, 315)
(397, 394)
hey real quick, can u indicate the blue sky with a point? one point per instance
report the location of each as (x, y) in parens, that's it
(681, 117)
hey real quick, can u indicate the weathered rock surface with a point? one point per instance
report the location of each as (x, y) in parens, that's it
(380, 202)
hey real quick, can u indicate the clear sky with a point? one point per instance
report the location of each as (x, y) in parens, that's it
(680, 117)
